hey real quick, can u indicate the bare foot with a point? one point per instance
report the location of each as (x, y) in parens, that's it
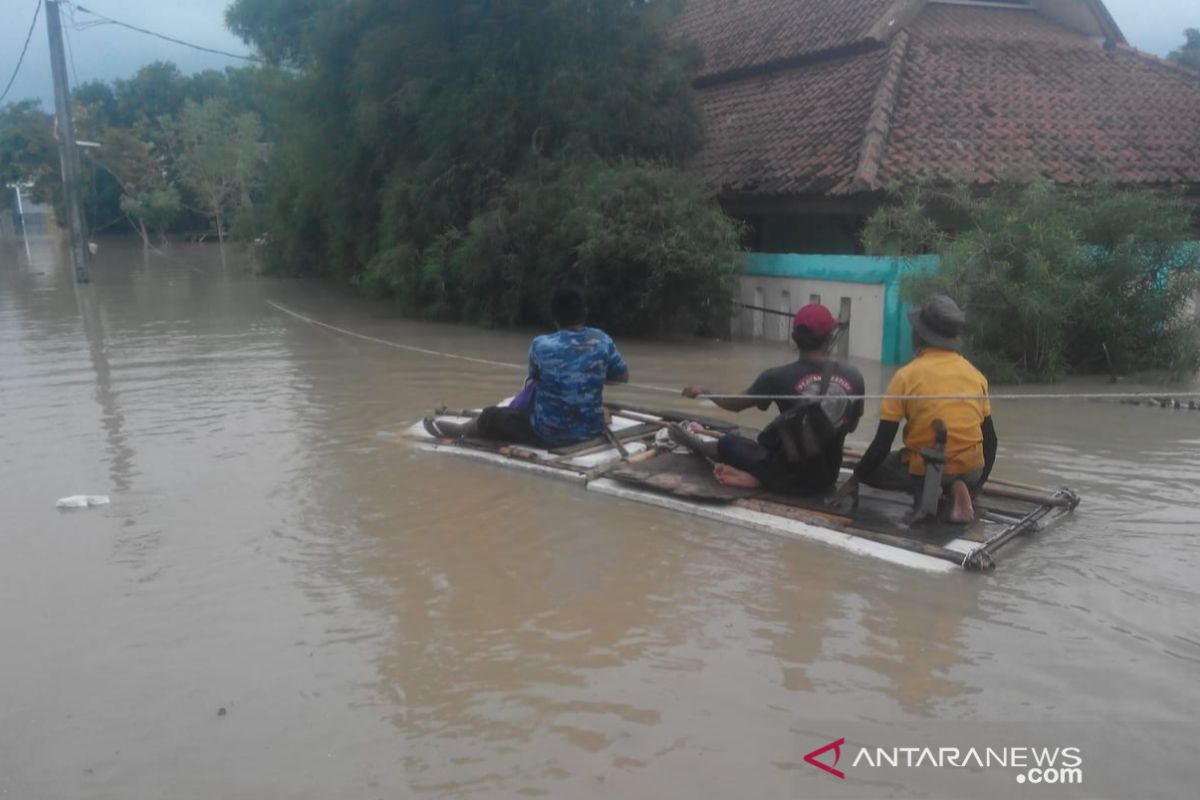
(729, 476)
(962, 510)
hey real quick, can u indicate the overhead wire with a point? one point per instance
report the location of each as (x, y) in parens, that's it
(1157, 396)
(1058, 396)
(24, 50)
(101, 19)
(67, 38)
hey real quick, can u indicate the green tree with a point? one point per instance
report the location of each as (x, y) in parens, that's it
(1189, 54)
(653, 256)
(435, 116)
(98, 100)
(218, 158)
(149, 105)
(146, 106)
(158, 90)
(1051, 277)
(147, 197)
(278, 28)
(28, 152)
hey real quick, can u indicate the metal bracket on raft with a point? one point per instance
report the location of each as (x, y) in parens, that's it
(979, 560)
(1070, 495)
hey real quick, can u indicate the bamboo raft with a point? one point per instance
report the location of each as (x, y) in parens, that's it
(650, 471)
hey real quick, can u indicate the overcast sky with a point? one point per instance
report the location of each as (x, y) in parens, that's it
(108, 52)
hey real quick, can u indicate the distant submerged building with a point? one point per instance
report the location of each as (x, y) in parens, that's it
(814, 107)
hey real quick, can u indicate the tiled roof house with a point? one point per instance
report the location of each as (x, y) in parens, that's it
(815, 106)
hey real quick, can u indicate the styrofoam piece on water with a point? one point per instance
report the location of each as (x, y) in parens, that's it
(83, 501)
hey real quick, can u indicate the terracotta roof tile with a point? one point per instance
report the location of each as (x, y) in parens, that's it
(989, 91)
(971, 93)
(740, 34)
(793, 132)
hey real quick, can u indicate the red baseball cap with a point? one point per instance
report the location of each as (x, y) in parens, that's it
(816, 318)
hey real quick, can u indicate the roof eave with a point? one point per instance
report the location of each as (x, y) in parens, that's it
(1112, 31)
(781, 65)
(894, 19)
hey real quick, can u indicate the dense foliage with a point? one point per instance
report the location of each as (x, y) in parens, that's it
(1189, 53)
(465, 155)
(139, 176)
(1051, 277)
(28, 153)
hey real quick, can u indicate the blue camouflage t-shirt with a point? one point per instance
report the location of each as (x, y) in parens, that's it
(571, 367)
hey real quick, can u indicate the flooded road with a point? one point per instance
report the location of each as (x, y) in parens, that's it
(284, 600)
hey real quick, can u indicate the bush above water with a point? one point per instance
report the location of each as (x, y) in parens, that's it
(652, 255)
(1051, 277)
(469, 154)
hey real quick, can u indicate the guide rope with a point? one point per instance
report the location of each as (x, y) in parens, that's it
(1154, 396)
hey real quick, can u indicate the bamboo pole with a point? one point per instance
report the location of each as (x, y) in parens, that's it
(671, 416)
(663, 423)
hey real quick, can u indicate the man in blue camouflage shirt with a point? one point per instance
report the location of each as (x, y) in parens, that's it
(569, 368)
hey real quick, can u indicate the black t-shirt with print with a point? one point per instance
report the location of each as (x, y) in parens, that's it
(803, 378)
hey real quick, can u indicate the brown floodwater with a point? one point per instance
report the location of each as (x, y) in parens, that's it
(286, 600)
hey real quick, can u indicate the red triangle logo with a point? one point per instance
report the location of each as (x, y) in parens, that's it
(836, 747)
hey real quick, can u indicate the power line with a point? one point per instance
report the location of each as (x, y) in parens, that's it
(24, 49)
(70, 47)
(1151, 396)
(103, 20)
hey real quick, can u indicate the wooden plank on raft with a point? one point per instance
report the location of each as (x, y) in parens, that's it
(825, 519)
(879, 513)
(997, 487)
(623, 435)
(604, 469)
(686, 476)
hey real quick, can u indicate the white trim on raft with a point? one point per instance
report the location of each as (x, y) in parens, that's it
(734, 515)
(779, 526)
(583, 463)
(566, 475)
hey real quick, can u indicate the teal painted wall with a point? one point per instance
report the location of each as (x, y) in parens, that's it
(879, 270)
(884, 270)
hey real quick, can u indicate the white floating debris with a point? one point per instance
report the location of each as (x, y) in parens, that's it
(83, 501)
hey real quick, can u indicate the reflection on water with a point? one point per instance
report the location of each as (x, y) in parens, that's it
(376, 621)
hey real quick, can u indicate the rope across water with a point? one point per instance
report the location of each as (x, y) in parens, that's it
(1156, 396)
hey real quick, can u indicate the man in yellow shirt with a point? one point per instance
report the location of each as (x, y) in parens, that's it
(937, 373)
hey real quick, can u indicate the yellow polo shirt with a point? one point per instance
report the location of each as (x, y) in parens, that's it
(935, 371)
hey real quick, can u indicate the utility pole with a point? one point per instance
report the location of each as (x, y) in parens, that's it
(68, 154)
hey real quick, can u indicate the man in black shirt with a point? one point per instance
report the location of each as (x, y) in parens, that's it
(801, 452)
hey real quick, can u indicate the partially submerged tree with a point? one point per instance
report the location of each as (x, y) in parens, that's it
(1189, 54)
(147, 196)
(28, 153)
(442, 124)
(218, 158)
(279, 29)
(653, 256)
(1052, 278)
